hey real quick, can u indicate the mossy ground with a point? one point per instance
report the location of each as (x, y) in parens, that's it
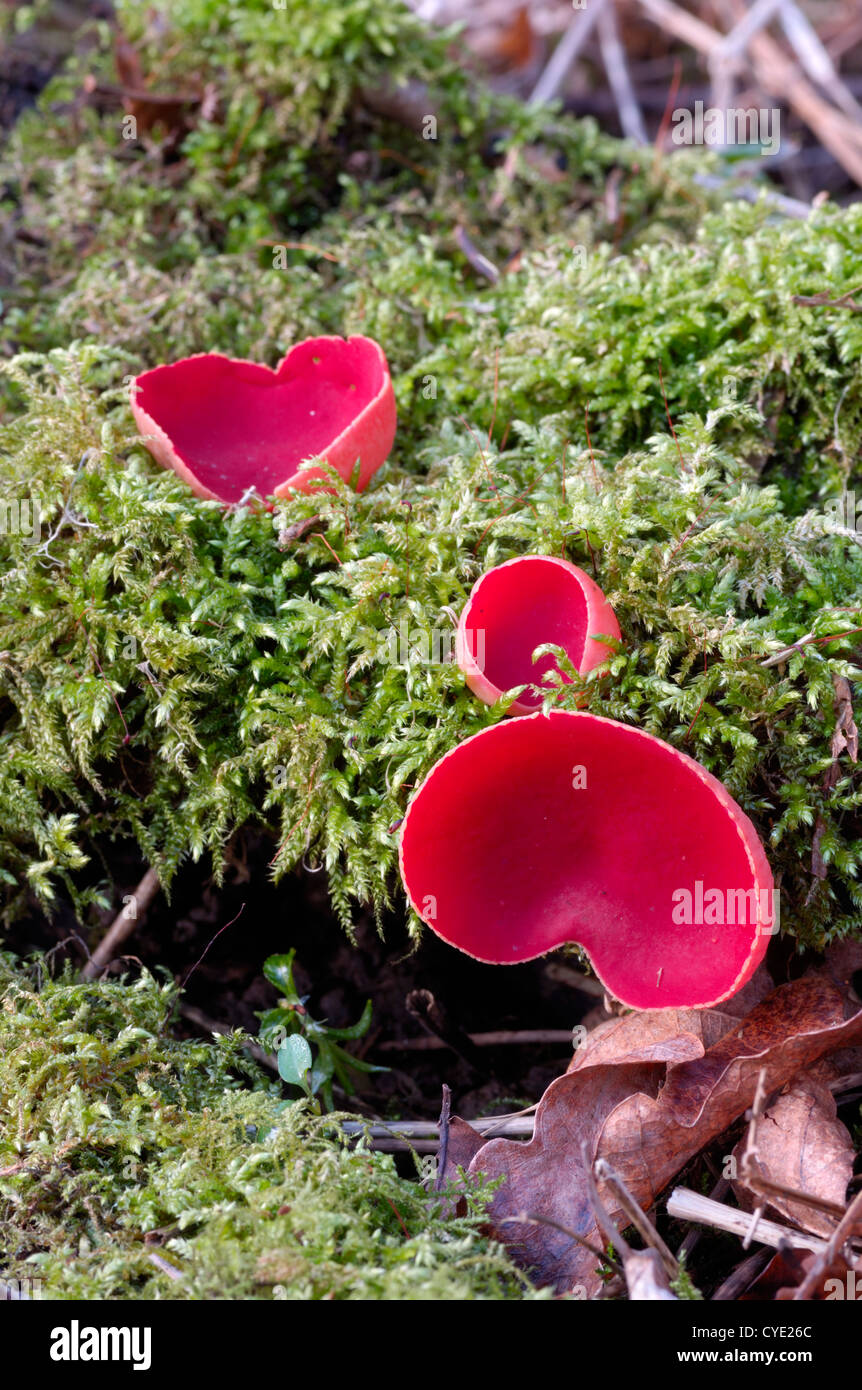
(176, 1181)
(173, 672)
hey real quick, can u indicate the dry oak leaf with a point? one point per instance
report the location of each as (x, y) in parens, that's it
(646, 1130)
(545, 1177)
(652, 1035)
(668, 1035)
(801, 1143)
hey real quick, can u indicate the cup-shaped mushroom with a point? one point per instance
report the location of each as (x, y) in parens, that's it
(228, 426)
(570, 827)
(515, 608)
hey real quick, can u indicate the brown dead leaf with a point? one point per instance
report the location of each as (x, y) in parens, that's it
(786, 1271)
(509, 45)
(172, 114)
(846, 735)
(127, 62)
(668, 1035)
(618, 1112)
(801, 1144)
(819, 867)
(546, 1176)
(464, 1143)
(653, 1035)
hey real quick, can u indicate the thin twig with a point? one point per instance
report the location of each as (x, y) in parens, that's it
(300, 246)
(822, 300)
(164, 1266)
(644, 1270)
(494, 1130)
(832, 1249)
(686, 1205)
(423, 1136)
(480, 263)
(123, 924)
(501, 1038)
(554, 74)
(604, 1220)
(191, 970)
(755, 18)
(804, 642)
(564, 974)
(693, 1235)
(815, 59)
(614, 59)
(742, 1277)
(782, 78)
(445, 1114)
(749, 1153)
(683, 25)
(852, 1082)
(319, 536)
(768, 1188)
(636, 1216)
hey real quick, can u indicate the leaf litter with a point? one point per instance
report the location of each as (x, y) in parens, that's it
(647, 1092)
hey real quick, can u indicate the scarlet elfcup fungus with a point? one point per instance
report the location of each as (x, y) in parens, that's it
(517, 606)
(227, 426)
(570, 827)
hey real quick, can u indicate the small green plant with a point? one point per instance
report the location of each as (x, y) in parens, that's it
(118, 1141)
(290, 1031)
(683, 1285)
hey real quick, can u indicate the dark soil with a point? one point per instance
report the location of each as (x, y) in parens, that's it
(338, 975)
(29, 60)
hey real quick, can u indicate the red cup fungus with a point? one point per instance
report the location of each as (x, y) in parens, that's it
(228, 426)
(517, 606)
(570, 827)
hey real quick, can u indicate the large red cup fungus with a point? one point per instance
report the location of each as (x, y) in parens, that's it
(570, 827)
(227, 426)
(517, 606)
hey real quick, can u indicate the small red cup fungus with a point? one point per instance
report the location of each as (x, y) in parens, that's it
(570, 827)
(228, 426)
(516, 607)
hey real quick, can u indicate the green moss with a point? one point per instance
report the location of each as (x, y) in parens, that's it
(172, 672)
(160, 1161)
(315, 126)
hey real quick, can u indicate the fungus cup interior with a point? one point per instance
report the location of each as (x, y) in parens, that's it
(570, 827)
(228, 425)
(516, 607)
